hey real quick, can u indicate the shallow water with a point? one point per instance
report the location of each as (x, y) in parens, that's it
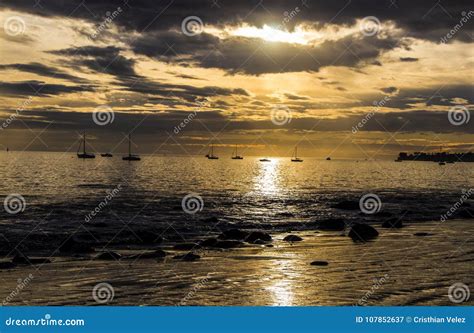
(279, 197)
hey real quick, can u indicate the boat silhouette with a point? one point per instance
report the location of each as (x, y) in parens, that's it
(296, 158)
(264, 160)
(106, 155)
(82, 143)
(236, 156)
(130, 156)
(210, 155)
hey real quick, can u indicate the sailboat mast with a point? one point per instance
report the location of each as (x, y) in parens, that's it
(84, 142)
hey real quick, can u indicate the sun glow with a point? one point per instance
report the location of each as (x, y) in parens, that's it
(270, 34)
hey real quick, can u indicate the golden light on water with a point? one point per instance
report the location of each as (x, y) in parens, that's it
(281, 288)
(267, 180)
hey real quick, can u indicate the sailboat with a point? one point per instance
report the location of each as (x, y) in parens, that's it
(83, 144)
(107, 155)
(264, 160)
(210, 155)
(130, 157)
(235, 156)
(296, 158)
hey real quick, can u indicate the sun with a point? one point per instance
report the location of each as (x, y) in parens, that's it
(271, 34)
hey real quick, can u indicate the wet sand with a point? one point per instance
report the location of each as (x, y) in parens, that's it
(397, 268)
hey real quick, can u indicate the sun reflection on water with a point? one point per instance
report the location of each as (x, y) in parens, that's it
(282, 287)
(267, 181)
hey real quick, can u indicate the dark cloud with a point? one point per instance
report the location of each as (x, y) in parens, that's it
(390, 90)
(255, 56)
(39, 88)
(43, 70)
(426, 19)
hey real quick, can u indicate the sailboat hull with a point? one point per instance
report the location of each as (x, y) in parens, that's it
(296, 160)
(131, 158)
(85, 156)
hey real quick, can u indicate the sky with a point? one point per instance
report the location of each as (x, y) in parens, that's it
(347, 79)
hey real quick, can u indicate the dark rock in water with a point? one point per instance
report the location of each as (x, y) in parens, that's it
(150, 255)
(71, 245)
(269, 245)
(187, 257)
(7, 265)
(186, 246)
(109, 255)
(393, 223)
(292, 238)
(331, 225)
(422, 234)
(21, 259)
(236, 234)
(347, 205)
(254, 235)
(208, 242)
(259, 242)
(362, 232)
(319, 263)
(227, 244)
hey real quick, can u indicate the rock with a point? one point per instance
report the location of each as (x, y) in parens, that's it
(319, 263)
(254, 235)
(292, 238)
(7, 265)
(109, 255)
(208, 242)
(187, 257)
(21, 259)
(72, 245)
(347, 205)
(393, 223)
(331, 225)
(149, 255)
(422, 234)
(269, 245)
(236, 234)
(259, 242)
(362, 232)
(227, 244)
(186, 246)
